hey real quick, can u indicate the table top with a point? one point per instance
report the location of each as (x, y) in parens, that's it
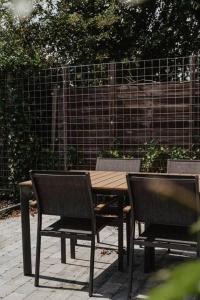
(105, 180)
(100, 180)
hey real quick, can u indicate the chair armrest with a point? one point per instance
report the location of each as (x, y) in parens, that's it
(101, 206)
(127, 209)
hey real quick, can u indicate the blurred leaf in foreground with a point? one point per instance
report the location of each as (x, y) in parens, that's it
(184, 280)
(195, 227)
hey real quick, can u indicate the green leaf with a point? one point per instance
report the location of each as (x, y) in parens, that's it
(184, 280)
(195, 227)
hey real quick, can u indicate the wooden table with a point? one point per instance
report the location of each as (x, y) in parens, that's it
(103, 182)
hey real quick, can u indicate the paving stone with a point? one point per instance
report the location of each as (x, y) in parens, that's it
(70, 281)
(60, 295)
(38, 295)
(15, 296)
(26, 288)
(6, 290)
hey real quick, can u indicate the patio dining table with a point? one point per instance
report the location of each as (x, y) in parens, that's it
(103, 182)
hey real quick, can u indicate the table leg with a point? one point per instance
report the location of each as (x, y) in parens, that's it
(25, 194)
(149, 259)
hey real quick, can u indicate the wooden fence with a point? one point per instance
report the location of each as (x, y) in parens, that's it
(94, 117)
(90, 108)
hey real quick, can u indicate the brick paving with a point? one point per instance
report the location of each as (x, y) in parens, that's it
(70, 280)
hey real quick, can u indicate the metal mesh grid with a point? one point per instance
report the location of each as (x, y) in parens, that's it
(73, 113)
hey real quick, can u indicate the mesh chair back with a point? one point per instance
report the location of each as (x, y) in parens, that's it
(115, 164)
(63, 193)
(183, 166)
(164, 199)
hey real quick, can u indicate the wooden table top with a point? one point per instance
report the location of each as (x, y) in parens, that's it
(100, 180)
(104, 180)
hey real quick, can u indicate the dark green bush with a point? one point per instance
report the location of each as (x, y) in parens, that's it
(154, 157)
(115, 151)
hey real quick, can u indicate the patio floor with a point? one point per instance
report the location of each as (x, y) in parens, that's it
(70, 280)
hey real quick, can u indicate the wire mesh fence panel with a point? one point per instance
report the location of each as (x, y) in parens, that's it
(66, 116)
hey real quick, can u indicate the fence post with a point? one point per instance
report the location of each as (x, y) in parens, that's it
(65, 96)
(192, 99)
(54, 116)
(112, 117)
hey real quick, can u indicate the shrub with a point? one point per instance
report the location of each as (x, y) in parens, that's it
(155, 157)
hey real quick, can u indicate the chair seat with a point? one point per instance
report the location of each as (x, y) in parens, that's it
(163, 234)
(69, 226)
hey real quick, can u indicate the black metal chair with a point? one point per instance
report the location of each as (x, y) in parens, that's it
(112, 211)
(68, 195)
(168, 205)
(183, 166)
(118, 164)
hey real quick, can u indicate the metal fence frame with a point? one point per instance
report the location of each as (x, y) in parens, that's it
(76, 112)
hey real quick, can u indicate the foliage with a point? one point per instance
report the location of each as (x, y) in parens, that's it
(155, 157)
(111, 153)
(179, 153)
(71, 156)
(173, 30)
(46, 158)
(85, 31)
(115, 151)
(153, 154)
(21, 149)
(183, 280)
(18, 143)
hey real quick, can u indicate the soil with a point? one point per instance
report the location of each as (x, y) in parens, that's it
(15, 212)
(5, 203)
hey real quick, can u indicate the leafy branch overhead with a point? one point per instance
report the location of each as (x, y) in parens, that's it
(84, 31)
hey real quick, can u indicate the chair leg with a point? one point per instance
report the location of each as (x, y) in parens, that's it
(128, 236)
(168, 250)
(98, 237)
(63, 250)
(120, 243)
(149, 259)
(139, 228)
(72, 247)
(91, 278)
(198, 253)
(131, 263)
(37, 262)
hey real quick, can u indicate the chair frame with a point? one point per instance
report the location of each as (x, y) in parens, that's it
(80, 234)
(150, 244)
(109, 167)
(105, 164)
(172, 162)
